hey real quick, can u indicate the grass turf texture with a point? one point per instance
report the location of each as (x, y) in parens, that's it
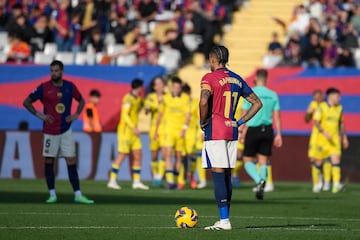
(291, 212)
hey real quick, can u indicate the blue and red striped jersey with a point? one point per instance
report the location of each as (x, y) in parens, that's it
(226, 88)
(57, 102)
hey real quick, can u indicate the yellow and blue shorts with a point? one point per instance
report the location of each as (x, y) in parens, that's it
(128, 142)
(173, 139)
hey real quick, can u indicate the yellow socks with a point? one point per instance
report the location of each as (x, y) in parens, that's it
(181, 175)
(238, 166)
(315, 172)
(201, 171)
(327, 169)
(154, 168)
(336, 173)
(136, 171)
(114, 171)
(169, 176)
(161, 168)
(269, 175)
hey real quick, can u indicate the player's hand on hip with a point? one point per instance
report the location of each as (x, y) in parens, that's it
(278, 141)
(203, 124)
(46, 118)
(71, 118)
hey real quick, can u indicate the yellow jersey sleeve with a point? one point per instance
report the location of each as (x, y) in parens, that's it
(317, 116)
(127, 104)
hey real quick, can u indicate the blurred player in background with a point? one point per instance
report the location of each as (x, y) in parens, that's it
(129, 142)
(56, 95)
(175, 115)
(220, 93)
(91, 118)
(259, 133)
(329, 121)
(200, 170)
(318, 98)
(240, 149)
(152, 104)
(191, 138)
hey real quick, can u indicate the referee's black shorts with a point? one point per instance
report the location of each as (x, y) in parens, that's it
(259, 140)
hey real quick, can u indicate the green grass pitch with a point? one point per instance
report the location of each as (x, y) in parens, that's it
(291, 212)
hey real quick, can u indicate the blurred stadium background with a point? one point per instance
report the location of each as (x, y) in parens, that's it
(306, 45)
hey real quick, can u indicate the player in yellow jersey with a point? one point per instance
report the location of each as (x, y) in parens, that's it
(175, 114)
(152, 103)
(329, 121)
(200, 170)
(318, 98)
(191, 135)
(129, 142)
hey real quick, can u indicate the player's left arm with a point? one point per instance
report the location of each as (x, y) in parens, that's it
(79, 109)
(277, 120)
(78, 97)
(278, 136)
(256, 104)
(343, 136)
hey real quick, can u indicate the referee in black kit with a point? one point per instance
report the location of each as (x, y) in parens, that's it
(259, 133)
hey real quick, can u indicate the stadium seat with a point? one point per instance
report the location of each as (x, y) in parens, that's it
(84, 58)
(50, 49)
(66, 57)
(271, 60)
(42, 58)
(170, 59)
(127, 60)
(3, 57)
(4, 41)
(111, 49)
(357, 57)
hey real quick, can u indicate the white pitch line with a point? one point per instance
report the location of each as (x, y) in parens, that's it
(201, 216)
(303, 229)
(82, 227)
(161, 227)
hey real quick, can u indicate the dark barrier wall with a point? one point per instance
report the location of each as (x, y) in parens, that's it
(20, 157)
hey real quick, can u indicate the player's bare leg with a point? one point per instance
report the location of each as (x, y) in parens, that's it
(50, 179)
(252, 171)
(75, 182)
(136, 156)
(115, 170)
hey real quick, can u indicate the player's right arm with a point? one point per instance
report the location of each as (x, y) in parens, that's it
(344, 138)
(309, 112)
(126, 115)
(159, 118)
(317, 122)
(35, 95)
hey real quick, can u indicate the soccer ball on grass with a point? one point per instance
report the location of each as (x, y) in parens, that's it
(186, 217)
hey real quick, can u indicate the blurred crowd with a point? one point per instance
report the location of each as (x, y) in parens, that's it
(143, 27)
(321, 33)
